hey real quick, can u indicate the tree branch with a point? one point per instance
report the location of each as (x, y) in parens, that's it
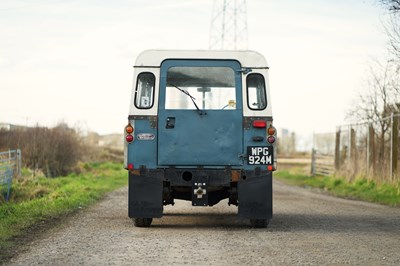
(392, 5)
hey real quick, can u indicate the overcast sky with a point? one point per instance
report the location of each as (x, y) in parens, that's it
(72, 60)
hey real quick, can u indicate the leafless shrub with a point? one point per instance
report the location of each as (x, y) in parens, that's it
(54, 151)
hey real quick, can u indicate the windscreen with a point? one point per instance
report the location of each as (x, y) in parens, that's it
(211, 88)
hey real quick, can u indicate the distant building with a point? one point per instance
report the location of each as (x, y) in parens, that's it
(5, 126)
(8, 126)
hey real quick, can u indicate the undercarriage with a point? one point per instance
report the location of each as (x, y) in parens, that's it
(151, 189)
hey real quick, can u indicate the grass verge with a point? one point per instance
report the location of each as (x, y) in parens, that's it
(38, 200)
(360, 188)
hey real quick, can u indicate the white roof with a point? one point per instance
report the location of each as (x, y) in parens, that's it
(154, 58)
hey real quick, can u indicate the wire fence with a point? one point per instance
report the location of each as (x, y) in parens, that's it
(10, 166)
(370, 150)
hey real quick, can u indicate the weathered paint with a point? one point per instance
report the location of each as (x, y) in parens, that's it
(211, 139)
(143, 152)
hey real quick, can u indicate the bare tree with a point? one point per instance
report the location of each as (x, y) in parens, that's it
(379, 100)
(393, 32)
(392, 5)
(392, 28)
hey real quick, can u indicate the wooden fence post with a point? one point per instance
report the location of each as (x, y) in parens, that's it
(19, 160)
(337, 150)
(353, 149)
(371, 150)
(394, 146)
(313, 162)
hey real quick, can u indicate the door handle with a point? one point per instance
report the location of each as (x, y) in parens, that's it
(170, 123)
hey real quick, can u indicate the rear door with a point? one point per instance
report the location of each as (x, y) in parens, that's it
(200, 113)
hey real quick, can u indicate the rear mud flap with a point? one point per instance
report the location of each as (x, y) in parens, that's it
(145, 197)
(255, 197)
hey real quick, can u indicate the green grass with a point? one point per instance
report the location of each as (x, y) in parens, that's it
(38, 199)
(360, 188)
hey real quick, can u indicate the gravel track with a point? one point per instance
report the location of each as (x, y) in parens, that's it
(307, 228)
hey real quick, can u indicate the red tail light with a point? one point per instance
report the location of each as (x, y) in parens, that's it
(129, 138)
(259, 124)
(129, 130)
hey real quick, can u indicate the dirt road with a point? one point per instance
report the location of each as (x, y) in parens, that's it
(307, 228)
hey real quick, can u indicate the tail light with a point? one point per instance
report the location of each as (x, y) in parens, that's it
(129, 133)
(271, 139)
(271, 131)
(129, 129)
(129, 138)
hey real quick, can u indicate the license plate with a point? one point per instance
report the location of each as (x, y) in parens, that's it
(260, 155)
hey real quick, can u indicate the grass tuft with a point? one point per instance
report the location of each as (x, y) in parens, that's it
(38, 199)
(360, 188)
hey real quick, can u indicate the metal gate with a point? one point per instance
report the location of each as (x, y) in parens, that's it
(10, 166)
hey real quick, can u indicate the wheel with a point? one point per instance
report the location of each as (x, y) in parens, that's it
(142, 222)
(259, 223)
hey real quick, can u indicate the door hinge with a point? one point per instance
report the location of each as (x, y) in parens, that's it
(245, 70)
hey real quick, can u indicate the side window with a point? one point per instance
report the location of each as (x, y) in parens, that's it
(256, 98)
(144, 92)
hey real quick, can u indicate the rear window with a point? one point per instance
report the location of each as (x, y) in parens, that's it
(144, 92)
(256, 97)
(212, 88)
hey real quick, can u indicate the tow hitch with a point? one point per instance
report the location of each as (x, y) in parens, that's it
(199, 192)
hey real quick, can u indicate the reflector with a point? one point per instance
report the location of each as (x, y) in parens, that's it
(259, 123)
(271, 139)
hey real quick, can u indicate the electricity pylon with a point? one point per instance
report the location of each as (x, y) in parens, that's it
(229, 25)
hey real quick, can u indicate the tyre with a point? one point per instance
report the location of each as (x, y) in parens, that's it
(142, 222)
(259, 223)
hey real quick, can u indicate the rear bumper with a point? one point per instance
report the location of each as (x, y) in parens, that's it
(185, 176)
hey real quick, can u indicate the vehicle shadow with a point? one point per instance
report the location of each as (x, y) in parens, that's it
(281, 222)
(333, 223)
(201, 220)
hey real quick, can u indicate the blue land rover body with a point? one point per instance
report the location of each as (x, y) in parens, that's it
(200, 129)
